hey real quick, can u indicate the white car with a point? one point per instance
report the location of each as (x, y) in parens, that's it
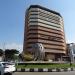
(1, 69)
(8, 67)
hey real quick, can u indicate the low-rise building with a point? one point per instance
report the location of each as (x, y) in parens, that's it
(71, 51)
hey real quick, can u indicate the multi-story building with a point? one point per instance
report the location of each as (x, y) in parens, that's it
(44, 26)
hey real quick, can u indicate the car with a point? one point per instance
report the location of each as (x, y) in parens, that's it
(9, 68)
(1, 69)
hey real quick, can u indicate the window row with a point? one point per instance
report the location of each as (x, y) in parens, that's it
(45, 22)
(45, 15)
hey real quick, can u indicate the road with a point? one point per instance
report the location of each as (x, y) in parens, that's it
(45, 73)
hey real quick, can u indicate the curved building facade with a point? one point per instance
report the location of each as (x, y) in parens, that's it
(44, 26)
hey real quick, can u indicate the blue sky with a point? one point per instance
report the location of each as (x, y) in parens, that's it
(12, 14)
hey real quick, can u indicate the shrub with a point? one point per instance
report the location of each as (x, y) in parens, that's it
(28, 57)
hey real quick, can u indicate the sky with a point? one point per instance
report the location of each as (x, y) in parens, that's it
(12, 17)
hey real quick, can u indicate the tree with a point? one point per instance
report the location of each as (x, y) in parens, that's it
(1, 52)
(10, 54)
(21, 57)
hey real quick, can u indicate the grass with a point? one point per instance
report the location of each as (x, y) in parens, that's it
(45, 65)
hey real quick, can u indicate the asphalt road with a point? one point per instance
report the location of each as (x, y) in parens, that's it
(45, 73)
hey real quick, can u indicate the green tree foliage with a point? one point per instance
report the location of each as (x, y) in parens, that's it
(1, 52)
(21, 57)
(10, 54)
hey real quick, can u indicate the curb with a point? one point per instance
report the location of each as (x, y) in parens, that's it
(45, 69)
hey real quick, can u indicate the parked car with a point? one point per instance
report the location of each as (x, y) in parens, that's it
(1, 69)
(9, 68)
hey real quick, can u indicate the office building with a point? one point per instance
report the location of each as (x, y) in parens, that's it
(44, 26)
